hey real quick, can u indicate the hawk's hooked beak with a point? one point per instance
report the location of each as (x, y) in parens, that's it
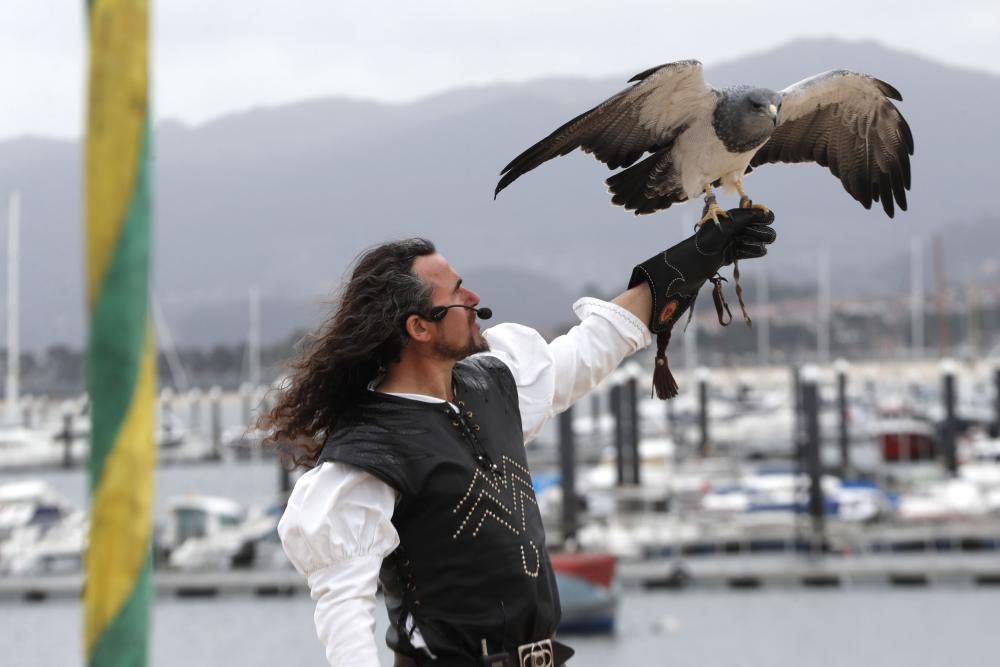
(773, 112)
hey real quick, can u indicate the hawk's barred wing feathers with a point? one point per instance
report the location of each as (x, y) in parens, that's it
(624, 127)
(846, 122)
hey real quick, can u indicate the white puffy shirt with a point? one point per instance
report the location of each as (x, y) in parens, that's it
(337, 527)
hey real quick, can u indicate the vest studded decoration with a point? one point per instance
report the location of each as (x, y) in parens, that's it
(472, 563)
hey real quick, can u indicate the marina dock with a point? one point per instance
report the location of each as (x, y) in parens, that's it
(724, 572)
(753, 572)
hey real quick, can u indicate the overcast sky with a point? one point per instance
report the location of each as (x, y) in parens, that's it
(216, 56)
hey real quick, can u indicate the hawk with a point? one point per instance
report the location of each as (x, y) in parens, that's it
(699, 138)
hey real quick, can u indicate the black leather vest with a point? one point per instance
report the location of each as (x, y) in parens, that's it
(472, 563)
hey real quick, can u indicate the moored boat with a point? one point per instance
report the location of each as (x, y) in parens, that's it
(588, 591)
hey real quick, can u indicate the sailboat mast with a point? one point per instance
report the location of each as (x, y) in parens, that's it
(823, 308)
(762, 320)
(944, 331)
(917, 297)
(253, 351)
(13, 342)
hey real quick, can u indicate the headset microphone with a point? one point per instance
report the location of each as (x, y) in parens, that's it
(437, 313)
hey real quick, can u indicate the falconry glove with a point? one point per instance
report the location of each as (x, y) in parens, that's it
(676, 275)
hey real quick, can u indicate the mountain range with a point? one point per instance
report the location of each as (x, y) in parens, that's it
(285, 197)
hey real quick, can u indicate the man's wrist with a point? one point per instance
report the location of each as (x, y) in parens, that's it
(638, 300)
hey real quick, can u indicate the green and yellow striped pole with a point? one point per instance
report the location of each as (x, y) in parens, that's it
(121, 360)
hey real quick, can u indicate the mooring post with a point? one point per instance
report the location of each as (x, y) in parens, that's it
(843, 440)
(567, 475)
(215, 408)
(632, 401)
(66, 436)
(949, 431)
(704, 442)
(810, 409)
(617, 409)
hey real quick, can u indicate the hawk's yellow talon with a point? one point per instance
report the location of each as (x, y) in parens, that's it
(746, 202)
(712, 212)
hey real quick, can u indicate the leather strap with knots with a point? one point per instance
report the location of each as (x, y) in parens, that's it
(720, 300)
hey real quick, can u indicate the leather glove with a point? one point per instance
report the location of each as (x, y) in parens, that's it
(676, 275)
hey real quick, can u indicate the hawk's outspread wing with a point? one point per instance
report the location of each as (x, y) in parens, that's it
(646, 117)
(845, 121)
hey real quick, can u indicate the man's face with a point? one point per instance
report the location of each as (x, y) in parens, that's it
(457, 335)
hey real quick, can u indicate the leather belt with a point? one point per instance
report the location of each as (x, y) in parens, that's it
(544, 653)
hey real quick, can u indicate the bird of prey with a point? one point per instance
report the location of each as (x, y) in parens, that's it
(699, 137)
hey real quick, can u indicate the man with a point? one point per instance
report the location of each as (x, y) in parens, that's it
(414, 422)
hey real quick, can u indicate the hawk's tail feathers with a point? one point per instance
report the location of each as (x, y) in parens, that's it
(648, 186)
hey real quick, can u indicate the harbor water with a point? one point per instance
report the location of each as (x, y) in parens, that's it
(794, 628)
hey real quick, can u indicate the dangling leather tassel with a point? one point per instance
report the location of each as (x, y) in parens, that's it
(664, 383)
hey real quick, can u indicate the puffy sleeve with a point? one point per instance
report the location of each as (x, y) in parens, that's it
(552, 376)
(336, 530)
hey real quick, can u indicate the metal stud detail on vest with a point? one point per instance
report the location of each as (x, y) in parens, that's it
(500, 499)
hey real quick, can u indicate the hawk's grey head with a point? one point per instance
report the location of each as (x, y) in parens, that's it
(745, 117)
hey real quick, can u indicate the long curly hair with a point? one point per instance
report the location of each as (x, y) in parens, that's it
(337, 364)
